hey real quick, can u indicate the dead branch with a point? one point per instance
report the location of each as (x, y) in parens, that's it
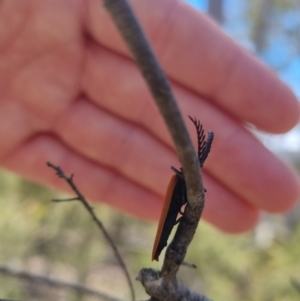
(161, 90)
(295, 284)
(51, 282)
(80, 197)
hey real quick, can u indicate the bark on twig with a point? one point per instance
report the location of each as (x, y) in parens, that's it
(160, 88)
(51, 282)
(80, 197)
(168, 290)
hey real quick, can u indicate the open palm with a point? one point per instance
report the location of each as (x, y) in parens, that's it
(71, 94)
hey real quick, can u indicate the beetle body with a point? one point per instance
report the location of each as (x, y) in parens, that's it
(176, 195)
(175, 198)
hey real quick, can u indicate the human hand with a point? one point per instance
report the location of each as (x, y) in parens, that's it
(70, 94)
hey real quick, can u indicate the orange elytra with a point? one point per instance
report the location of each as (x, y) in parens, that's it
(176, 196)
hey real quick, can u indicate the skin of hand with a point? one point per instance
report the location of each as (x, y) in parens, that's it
(71, 94)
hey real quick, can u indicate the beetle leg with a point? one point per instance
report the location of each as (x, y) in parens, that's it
(178, 172)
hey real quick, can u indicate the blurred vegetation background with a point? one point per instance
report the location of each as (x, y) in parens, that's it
(60, 240)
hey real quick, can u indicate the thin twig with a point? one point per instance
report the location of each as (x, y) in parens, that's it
(296, 284)
(81, 289)
(160, 88)
(83, 200)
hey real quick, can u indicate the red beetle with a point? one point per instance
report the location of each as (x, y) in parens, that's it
(176, 195)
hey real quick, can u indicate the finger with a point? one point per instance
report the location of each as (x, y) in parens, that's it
(99, 183)
(114, 83)
(197, 54)
(227, 211)
(95, 181)
(241, 163)
(41, 54)
(238, 160)
(120, 145)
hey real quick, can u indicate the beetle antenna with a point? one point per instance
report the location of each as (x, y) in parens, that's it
(200, 138)
(207, 147)
(203, 146)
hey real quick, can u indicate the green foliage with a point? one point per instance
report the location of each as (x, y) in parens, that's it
(60, 240)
